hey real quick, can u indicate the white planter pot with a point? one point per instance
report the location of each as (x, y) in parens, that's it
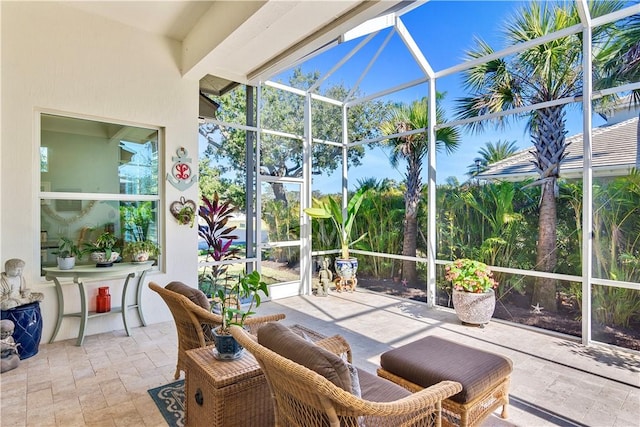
(476, 309)
(140, 257)
(66, 263)
(101, 259)
(346, 268)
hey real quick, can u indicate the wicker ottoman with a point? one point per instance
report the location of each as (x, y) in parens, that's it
(484, 376)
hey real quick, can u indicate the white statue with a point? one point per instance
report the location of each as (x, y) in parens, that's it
(326, 277)
(8, 346)
(14, 290)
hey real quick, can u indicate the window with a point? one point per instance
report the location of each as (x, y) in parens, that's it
(95, 177)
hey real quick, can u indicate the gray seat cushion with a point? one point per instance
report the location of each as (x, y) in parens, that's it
(280, 339)
(195, 295)
(431, 359)
(376, 389)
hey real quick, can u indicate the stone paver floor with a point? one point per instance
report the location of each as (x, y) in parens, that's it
(104, 383)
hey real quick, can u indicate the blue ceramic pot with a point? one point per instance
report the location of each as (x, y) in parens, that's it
(28, 327)
(346, 268)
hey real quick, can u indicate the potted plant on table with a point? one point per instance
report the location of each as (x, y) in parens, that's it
(346, 266)
(140, 250)
(473, 290)
(67, 253)
(102, 250)
(227, 300)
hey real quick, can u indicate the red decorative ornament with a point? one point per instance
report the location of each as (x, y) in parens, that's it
(103, 300)
(181, 175)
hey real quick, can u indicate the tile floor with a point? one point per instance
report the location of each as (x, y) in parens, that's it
(105, 382)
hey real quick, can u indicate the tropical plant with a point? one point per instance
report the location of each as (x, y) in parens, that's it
(282, 220)
(413, 148)
(380, 213)
(468, 275)
(105, 242)
(547, 72)
(343, 224)
(136, 219)
(492, 153)
(616, 227)
(186, 215)
(67, 249)
(140, 246)
(228, 300)
(218, 237)
(621, 57)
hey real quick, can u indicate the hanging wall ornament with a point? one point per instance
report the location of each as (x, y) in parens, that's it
(181, 176)
(184, 210)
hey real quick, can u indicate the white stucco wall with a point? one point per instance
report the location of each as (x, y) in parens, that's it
(56, 58)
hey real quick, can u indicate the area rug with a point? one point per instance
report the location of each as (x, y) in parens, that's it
(169, 399)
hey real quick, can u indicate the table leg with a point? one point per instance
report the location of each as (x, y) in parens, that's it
(84, 311)
(60, 308)
(139, 296)
(124, 303)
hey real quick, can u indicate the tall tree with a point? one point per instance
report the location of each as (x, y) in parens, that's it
(620, 60)
(491, 153)
(546, 72)
(413, 149)
(283, 112)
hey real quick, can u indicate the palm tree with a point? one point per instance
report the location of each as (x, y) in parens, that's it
(413, 149)
(621, 57)
(623, 64)
(491, 153)
(550, 71)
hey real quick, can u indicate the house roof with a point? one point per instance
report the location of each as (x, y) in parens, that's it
(614, 152)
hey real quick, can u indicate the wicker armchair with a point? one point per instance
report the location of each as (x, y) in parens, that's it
(302, 397)
(194, 322)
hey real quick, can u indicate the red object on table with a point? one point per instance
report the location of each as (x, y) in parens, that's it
(103, 300)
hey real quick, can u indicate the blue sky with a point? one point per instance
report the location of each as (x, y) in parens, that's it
(443, 30)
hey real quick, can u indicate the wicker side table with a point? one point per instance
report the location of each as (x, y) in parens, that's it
(225, 393)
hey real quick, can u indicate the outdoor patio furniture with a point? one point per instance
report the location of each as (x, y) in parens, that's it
(484, 376)
(194, 320)
(217, 391)
(315, 385)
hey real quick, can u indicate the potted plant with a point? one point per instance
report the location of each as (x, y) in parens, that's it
(140, 250)
(227, 299)
(186, 215)
(346, 266)
(67, 253)
(102, 250)
(473, 297)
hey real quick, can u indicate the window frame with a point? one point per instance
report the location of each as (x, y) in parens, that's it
(45, 196)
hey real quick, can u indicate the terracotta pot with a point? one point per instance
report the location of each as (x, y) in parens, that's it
(476, 309)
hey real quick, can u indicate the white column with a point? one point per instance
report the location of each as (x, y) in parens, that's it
(431, 191)
(587, 174)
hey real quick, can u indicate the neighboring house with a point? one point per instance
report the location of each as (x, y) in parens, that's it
(614, 152)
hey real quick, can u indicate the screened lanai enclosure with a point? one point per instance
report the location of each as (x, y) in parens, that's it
(514, 142)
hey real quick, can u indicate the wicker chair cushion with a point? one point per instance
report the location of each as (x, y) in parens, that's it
(376, 389)
(195, 295)
(280, 339)
(431, 359)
